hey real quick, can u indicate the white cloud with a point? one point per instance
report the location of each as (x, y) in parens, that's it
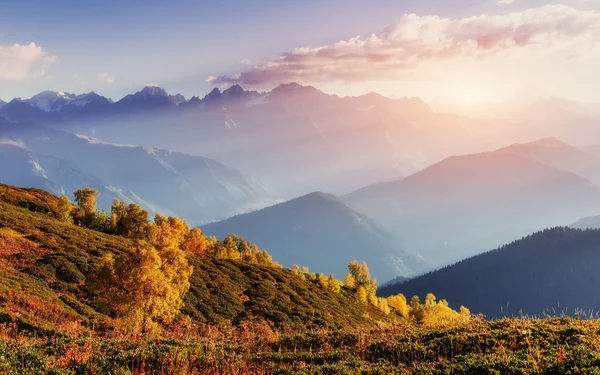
(18, 61)
(106, 77)
(505, 2)
(421, 47)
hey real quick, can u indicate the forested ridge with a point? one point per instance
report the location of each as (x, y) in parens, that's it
(548, 272)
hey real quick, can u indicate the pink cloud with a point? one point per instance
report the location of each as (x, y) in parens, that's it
(414, 40)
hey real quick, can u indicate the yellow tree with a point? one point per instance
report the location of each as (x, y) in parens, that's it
(334, 285)
(417, 311)
(129, 221)
(349, 281)
(86, 201)
(398, 303)
(64, 209)
(143, 286)
(196, 243)
(361, 294)
(167, 235)
(359, 275)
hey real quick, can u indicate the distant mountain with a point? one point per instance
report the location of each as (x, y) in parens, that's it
(2, 103)
(23, 167)
(149, 98)
(553, 271)
(317, 230)
(19, 111)
(573, 122)
(556, 153)
(234, 96)
(466, 204)
(50, 101)
(66, 104)
(196, 188)
(590, 222)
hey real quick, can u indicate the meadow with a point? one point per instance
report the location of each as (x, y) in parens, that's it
(509, 346)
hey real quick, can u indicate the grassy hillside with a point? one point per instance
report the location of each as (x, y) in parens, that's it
(45, 264)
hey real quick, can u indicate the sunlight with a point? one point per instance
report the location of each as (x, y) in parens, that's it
(468, 96)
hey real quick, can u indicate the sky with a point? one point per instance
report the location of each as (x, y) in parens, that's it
(468, 50)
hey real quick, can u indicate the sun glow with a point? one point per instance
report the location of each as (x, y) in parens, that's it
(469, 96)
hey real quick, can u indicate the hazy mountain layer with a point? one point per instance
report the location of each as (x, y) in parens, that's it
(294, 138)
(466, 204)
(319, 231)
(196, 188)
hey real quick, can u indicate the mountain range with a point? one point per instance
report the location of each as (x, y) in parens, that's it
(470, 203)
(330, 143)
(317, 230)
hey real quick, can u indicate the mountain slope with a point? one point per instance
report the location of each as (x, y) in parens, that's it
(555, 153)
(21, 166)
(589, 222)
(19, 111)
(466, 204)
(552, 269)
(196, 188)
(44, 265)
(320, 232)
(149, 98)
(50, 101)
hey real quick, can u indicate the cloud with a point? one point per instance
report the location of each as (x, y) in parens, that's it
(18, 61)
(106, 77)
(505, 2)
(416, 45)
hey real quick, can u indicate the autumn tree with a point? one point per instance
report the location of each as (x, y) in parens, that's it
(361, 294)
(360, 277)
(86, 201)
(64, 209)
(334, 285)
(417, 311)
(398, 303)
(360, 272)
(383, 306)
(232, 247)
(323, 281)
(196, 243)
(439, 314)
(238, 248)
(142, 287)
(129, 221)
(86, 214)
(349, 281)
